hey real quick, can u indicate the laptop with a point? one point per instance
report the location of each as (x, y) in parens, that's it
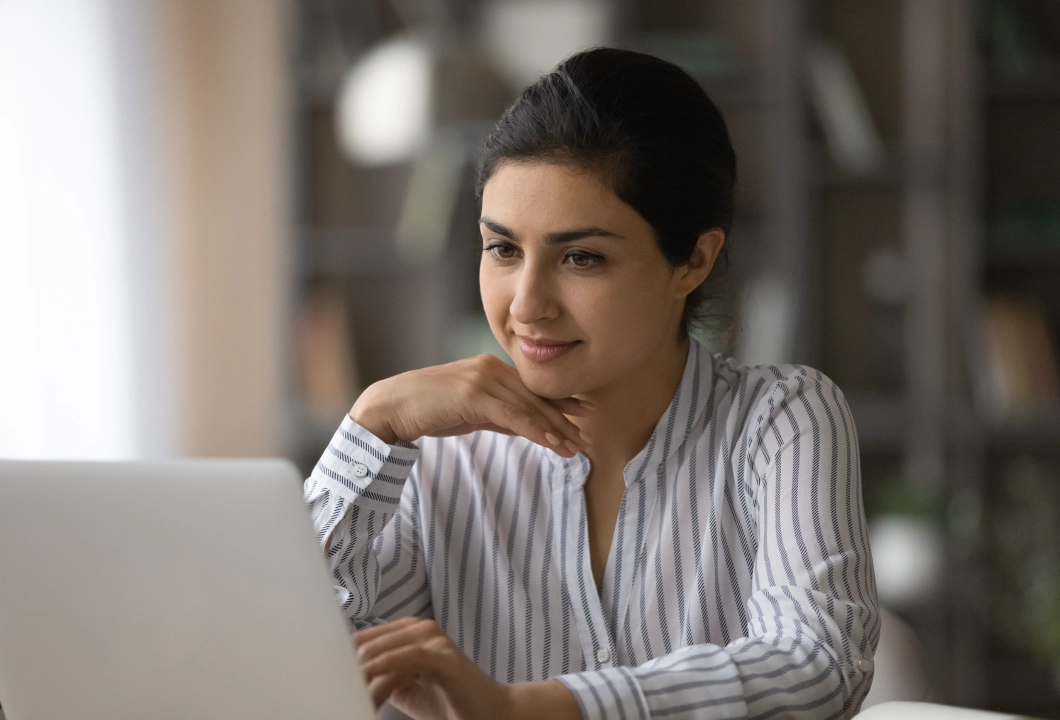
(183, 589)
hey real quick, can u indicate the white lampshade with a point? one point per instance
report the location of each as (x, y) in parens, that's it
(384, 104)
(401, 93)
(526, 38)
(907, 553)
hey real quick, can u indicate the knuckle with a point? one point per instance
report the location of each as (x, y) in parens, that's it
(467, 389)
(483, 364)
(514, 413)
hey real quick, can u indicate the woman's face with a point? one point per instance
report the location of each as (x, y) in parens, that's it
(566, 263)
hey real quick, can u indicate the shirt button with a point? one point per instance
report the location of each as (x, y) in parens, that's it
(864, 665)
(603, 654)
(360, 470)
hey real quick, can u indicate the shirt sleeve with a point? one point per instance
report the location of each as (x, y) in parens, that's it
(364, 493)
(813, 613)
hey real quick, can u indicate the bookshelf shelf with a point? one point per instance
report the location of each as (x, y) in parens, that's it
(352, 252)
(831, 177)
(881, 420)
(1010, 91)
(1014, 258)
(1040, 431)
(882, 423)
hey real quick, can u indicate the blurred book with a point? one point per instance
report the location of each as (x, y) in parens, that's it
(329, 381)
(431, 197)
(1014, 42)
(1023, 555)
(1020, 369)
(853, 142)
(704, 54)
(1026, 232)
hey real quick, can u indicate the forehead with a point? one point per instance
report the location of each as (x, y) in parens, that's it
(543, 195)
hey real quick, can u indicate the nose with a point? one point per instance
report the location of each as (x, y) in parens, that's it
(534, 298)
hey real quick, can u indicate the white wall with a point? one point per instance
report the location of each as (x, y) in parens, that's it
(66, 357)
(144, 227)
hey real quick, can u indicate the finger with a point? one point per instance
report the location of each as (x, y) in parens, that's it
(383, 686)
(574, 406)
(510, 411)
(551, 410)
(539, 412)
(407, 635)
(570, 431)
(425, 658)
(472, 427)
(367, 634)
(496, 375)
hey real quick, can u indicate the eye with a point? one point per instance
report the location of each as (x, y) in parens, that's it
(584, 259)
(500, 250)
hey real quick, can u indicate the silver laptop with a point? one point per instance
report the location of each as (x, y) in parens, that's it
(185, 589)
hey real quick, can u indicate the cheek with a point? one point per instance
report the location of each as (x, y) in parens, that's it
(496, 296)
(623, 303)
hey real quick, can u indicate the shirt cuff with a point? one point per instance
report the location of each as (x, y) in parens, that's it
(607, 694)
(358, 466)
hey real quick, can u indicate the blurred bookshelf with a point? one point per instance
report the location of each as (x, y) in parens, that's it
(899, 171)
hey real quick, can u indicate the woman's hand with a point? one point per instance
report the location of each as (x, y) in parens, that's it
(421, 671)
(480, 393)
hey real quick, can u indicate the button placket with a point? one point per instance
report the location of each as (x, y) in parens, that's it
(585, 601)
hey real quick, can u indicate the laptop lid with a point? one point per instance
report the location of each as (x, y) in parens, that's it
(182, 589)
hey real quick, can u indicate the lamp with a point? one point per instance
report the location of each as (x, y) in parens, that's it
(427, 97)
(396, 97)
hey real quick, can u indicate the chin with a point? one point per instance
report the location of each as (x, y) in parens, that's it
(550, 384)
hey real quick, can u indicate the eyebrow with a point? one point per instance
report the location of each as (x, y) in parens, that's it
(559, 236)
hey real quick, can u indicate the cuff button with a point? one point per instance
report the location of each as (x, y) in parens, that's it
(865, 665)
(360, 470)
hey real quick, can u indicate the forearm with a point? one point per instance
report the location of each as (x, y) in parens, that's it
(785, 670)
(549, 699)
(353, 492)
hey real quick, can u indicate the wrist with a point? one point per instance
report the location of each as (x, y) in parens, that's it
(542, 699)
(370, 414)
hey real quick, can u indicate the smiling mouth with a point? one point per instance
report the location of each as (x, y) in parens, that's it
(543, 350)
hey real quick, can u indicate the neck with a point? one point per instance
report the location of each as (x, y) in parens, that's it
(628, 409)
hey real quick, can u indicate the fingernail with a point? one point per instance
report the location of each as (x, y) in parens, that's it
(552, 438)
(587, 405)
(585, 437)
(572, 447)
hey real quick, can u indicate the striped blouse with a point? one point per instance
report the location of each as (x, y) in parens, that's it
(739, 581)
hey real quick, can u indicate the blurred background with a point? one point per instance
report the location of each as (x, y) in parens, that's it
(220, 220)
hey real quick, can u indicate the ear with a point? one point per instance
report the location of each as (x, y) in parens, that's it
(691, 275)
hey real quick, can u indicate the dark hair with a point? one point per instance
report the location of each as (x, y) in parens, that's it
(651, 133)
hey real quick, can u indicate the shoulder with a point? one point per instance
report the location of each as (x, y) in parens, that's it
(766, 380)
(765, 396)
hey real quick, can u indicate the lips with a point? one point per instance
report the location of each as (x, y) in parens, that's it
(542, 350)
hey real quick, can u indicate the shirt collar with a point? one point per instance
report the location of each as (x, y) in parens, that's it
(673, 428)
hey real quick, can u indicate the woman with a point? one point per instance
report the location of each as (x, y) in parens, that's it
(623, 525)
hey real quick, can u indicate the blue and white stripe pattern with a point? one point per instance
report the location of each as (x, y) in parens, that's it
(739, 581)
